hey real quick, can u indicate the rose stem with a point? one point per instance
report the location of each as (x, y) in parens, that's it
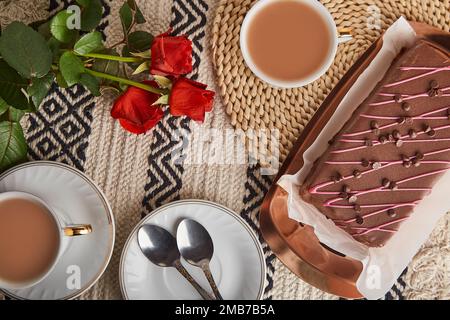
(125, 81)
(111, 57)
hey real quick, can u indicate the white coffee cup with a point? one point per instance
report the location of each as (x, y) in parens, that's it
(334, 36)
(65, 231)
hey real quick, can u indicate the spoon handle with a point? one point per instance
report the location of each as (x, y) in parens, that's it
(205, 295)
(212, 283)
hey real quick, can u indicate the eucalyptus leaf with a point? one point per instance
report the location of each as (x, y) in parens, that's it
(89, 43)
(126, 17)
(11, 86)
(25, 50)
(13, 147)
(71, 67)
(91, 83)
(39, 88)
(59, 29)
(91, 14)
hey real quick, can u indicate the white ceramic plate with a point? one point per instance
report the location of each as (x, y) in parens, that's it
(238, 264)
(74, 196)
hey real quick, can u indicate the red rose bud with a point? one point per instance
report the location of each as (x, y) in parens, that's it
(171, 56)
(135, 111)
(189, 98)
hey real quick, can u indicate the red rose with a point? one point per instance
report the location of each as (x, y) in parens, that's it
(135, 111)
(190, 98)
(171, 56)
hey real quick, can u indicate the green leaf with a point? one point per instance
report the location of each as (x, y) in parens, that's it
(138, 16)
(141, 68)
(61, 81)
(3, 106)
(13, 147)
(139, 41)
(11, 86)
(59, 29)
(43, 27)
(107, 66)
(14, 114)
(162, 100)
(89, 43)
(126, 17)
(54, 46)
(39, 89)
(25, 50)
(91, 83)
(71, 67)
(91, 14)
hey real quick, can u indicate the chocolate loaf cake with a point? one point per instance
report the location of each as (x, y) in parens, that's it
(392, 150)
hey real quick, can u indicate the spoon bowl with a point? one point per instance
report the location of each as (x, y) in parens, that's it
(197, 248)
(160, 247)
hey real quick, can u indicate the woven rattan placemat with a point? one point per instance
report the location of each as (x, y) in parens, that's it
(252, 104)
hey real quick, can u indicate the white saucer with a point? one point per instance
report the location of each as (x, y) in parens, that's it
(238, 264)
(74, 196)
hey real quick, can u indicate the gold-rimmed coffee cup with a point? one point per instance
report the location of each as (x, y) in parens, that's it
(63, 231)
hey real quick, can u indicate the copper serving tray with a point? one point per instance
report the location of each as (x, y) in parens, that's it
(295, 244)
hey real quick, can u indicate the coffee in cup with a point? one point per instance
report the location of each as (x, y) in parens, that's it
(288, 43)
(31, 238)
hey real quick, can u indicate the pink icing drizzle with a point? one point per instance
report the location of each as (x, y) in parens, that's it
(386, 206)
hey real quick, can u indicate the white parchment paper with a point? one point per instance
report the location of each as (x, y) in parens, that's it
(381, 266)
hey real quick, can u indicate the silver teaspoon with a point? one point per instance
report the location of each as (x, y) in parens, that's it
(196, 247)
(160, 247)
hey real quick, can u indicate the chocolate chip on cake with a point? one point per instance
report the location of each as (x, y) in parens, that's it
(431, 133)
(406, 106)
(408, 120)
(399, 143)
(346, 189)
(368, 142)
(357, 174)
(407, 164)
(401, 120)
(359, 220)
(385, 182)
(382, 139)
(375, 127)
(419, 155)
(398, 98)
(391, 213)
(365, 163)
(353, 199)
(434, 84)
(376, 165)
(357, 208)
(426, 128)
(343, 195)
(393, 185)
(390, 137)
(412, 133)
(415, 162)
(396, 134)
